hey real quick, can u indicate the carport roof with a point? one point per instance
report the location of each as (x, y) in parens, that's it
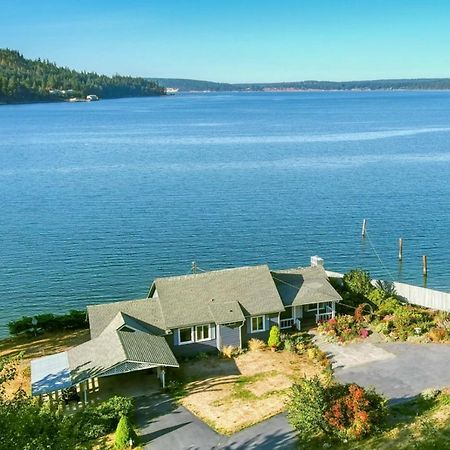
(50, 373)
(115, 351)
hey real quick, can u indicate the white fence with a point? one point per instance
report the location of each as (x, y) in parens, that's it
(416, 295)
(423, 296)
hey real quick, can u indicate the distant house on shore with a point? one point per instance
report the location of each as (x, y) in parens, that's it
(186, 315)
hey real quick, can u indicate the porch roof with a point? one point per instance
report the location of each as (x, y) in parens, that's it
(304, 286)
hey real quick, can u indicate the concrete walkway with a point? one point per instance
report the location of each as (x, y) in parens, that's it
(166, 426)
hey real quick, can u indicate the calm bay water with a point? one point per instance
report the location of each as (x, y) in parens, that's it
(97, 199)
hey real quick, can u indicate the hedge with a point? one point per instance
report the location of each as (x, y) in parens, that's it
(73, 320)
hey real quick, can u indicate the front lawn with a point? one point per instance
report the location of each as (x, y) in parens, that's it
(232, 394)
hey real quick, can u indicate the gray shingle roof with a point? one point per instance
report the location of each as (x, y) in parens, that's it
(226, 312)
(304, 286)
(101, 354)
(144, 347)
(146, 310)
(184, 300)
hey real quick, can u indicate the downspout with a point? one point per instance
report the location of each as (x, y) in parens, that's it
(240, 334)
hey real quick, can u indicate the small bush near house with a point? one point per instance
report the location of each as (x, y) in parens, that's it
(274, 337)
(124, 434)
(344, 412)
(230, 351)
(256, 344)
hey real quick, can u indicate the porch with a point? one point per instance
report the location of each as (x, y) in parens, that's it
(306, 315)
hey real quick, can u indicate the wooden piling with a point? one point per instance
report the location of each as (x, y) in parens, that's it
(425, 266)
(400, 249)
(363, 230)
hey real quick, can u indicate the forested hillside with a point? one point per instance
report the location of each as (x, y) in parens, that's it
(369, 85)
(26, 80)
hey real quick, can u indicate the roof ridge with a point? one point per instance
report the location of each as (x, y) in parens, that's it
(198, 275)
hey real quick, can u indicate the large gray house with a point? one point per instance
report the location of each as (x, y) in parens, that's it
(185, 315)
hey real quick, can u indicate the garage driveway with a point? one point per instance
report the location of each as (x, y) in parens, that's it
(165, 426)
(399, 370)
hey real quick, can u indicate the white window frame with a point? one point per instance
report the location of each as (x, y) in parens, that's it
(252, 330)
(192, 336)
(208, 327)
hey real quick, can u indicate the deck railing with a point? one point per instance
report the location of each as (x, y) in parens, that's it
(286, 323)
(327, 315)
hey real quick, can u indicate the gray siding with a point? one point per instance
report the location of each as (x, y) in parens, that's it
(209, 346)
(230, 335)
(271, 319)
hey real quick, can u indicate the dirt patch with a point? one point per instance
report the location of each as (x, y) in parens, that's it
(35, 348)
(277, 382)
(233, 394)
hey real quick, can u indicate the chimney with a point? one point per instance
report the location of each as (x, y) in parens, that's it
(316, 261)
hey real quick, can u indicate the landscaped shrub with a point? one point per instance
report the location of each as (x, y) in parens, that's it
(230, 351)
(438, 334)
(358, 281)
(73, 320)
(289, 345)
(124, 434)
(345, 412)
(256, 344)
(341, 328)
(355, 413)
(97, 420)
(274, 337)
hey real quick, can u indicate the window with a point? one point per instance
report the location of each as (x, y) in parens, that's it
(185, 335)
(202, 333)
(257, 324)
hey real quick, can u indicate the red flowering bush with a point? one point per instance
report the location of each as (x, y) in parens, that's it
(342, 328)
(356, 413)
(345, 412)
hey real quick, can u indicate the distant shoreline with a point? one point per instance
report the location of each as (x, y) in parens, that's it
(235, 91)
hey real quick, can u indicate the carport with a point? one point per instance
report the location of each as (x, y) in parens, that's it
(114, 352)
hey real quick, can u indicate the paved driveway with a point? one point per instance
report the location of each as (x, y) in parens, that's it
(165, 426)
(399, 370)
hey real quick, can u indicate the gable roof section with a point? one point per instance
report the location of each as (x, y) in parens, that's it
(144, 315)
(304, 286)
(184, 300)
(113, 348)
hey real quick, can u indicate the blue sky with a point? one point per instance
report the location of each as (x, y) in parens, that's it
(236, 40)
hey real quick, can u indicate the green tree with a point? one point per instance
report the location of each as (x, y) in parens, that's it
(124, 434)
(274, 337)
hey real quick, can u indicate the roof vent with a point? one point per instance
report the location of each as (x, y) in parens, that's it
(316, 261)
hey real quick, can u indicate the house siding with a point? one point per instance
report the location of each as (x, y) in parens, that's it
(209, 346)
(270, 320)
(230, 335)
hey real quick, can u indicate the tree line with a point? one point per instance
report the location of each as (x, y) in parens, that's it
(26, 80)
